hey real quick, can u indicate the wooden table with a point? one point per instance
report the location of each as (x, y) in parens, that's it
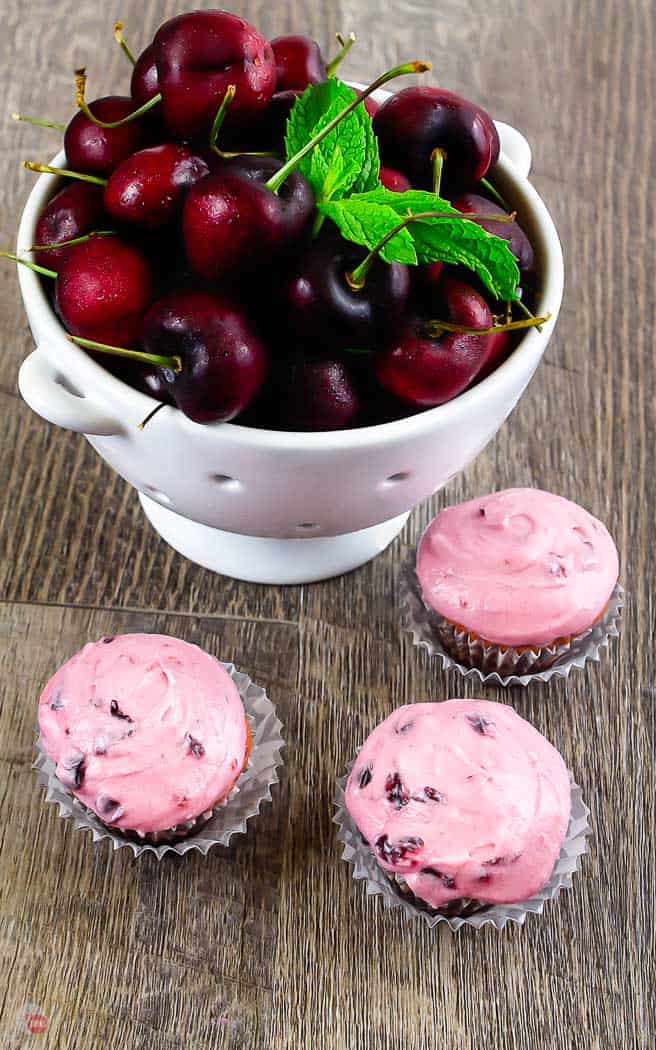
(271, 944)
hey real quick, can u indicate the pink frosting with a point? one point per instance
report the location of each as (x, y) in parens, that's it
(147, 731)
(464, 799)
(520, 567)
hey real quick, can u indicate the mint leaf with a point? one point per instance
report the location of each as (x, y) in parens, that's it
(370, 170)
(367, 222)
(367, 217)
(305, 114)
(335, 163)
(347, 160)
(343, 148)
(462, 242)
(408, 201)
(335, 179)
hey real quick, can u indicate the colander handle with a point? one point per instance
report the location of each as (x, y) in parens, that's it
(42, 387)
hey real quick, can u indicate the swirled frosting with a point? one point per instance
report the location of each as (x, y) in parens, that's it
(520, 567)
(147, 731)
(463, 799)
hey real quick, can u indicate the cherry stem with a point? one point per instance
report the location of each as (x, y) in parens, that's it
(230, 93)
(436, 328)
(345, 47)
(46, 169)
(72, 241)
(30, 265)
(144, 422)
(527, 313)
(80, 88)
(495, 193)
(231, 90)
(276, 181)
(122, 42)
(174, 363)
(356, 278)
(438, 156)
(39, 122)
(319, 220)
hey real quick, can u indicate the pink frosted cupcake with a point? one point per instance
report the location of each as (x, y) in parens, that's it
(462, 804)
(148, 732)
(515, 579)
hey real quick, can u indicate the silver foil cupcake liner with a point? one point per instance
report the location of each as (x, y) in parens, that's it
(218, 825)
(379, 882)
(457, 649)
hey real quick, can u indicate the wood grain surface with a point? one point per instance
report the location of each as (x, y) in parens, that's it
(271, 944)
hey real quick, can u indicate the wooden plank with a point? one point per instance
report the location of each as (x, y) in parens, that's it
(180, 951)
(274, 945)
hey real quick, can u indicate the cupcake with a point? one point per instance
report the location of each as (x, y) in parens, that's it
(148, 732)
(515, 579)
(462, 804)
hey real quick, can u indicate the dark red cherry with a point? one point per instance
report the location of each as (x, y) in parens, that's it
(418, 120)
(73, 212)
(97, 151)
(324, 312)
(378, 405)
(315, 394)
(429, 275)
(268, 132)
(147, 189)
(152, 381)
(299, 62)
(371, 106)
(518, 242)
(144, 84)
(498, 349)
(149, 379)
(234, 225)
(224, 362)
(394, 180)
(425, 371)
(103, 289)
(198, 55)
(396, 853)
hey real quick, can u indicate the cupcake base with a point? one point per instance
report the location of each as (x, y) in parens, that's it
(473, 657)
(462, 907)
(214, 827)
(473, 652)
(470, 913)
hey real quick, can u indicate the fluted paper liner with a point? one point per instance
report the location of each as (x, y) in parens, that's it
(378, 881)
(495, 664)
(230, 818)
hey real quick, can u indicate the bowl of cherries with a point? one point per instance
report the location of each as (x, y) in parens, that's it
(285, 308)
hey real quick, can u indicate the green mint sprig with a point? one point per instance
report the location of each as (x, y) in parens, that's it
(367, 222)
(343, 170)
(367, 218)
(346, 160)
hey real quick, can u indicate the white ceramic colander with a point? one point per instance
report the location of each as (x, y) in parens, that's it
(276, 507)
